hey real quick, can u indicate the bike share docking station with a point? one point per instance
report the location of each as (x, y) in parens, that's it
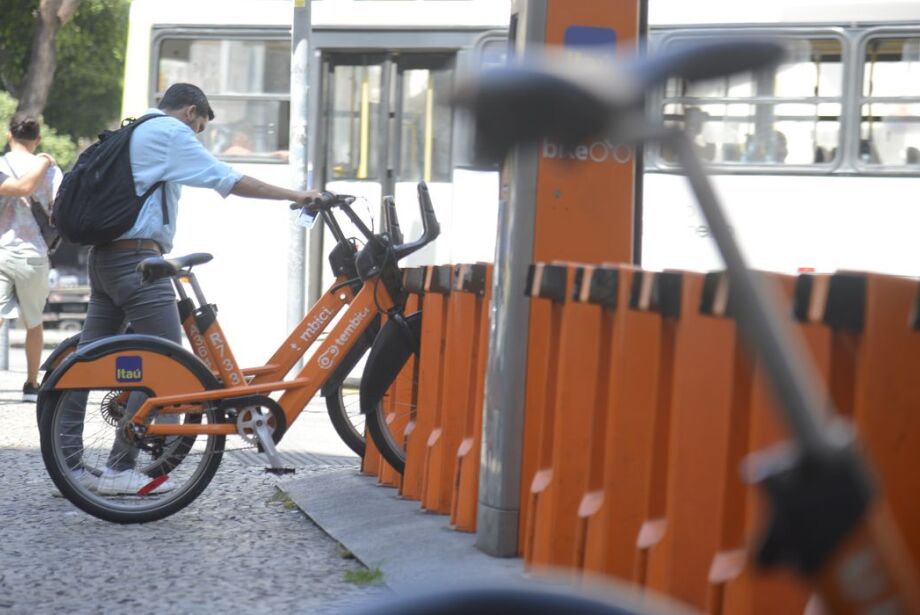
(559, 203)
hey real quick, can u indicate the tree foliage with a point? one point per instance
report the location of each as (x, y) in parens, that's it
(86, 94)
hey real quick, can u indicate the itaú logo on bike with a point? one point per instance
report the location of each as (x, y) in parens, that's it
(599, 152)
(327, 359)
(317, 324)
(129, 369)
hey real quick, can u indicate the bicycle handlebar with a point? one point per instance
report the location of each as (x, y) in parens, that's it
(521, 102)
(431, 228)
(391, 221)
(326, 200)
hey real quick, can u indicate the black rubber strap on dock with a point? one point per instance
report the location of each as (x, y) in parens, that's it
(605, 284)
(804, 285)
(441, 277)
(474, 279)
(846, 302)
(414, 280)
(552, 282)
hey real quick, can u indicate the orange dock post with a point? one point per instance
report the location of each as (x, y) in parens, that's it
(874, 380)
(477, 280)
(704, 359)
(559, 483)
(749, 590)
(456, 396)
(613, 508)
(430, 377)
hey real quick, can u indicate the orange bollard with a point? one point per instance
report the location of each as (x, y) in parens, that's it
(613, 507)
(430, 377)
(477, 281)
(661, 294)
(874, 380)
(704, 382)
(561, 477)
(450, 416)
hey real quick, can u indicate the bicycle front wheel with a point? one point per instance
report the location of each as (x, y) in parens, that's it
(341, 392)
(396, 344)
(109, 477)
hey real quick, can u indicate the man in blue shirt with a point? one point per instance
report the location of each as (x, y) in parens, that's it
(161, 150)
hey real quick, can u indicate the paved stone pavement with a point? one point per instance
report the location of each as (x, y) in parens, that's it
(234, 549)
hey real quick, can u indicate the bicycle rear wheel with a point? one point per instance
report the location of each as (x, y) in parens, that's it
(158, 476)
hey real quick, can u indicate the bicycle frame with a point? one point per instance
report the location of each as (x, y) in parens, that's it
(298, 392)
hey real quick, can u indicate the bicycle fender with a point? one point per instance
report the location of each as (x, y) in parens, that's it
(396, 342)
(134, 361)
(60, 352)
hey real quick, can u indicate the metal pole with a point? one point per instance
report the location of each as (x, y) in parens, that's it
(506, 371)
(4, 345)
(315, 235)
(300, 50)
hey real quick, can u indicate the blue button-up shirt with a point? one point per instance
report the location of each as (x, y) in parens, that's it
(167, 150)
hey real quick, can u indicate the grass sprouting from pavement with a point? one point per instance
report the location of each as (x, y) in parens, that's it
(364, 576)
(280, 497)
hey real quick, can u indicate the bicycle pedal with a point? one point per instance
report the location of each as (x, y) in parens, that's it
(280, 471)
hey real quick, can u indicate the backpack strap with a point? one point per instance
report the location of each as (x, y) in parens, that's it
(163, 209)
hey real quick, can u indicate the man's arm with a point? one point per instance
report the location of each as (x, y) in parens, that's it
(253, 188)
(28, 183)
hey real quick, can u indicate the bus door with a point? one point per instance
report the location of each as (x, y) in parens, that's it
(387, 125)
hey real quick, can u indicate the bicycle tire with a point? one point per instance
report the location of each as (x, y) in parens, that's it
(78, 432)
(392, 349)
(343, 407)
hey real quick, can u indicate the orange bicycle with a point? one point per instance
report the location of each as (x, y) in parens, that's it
(339, 391)
(181, 405)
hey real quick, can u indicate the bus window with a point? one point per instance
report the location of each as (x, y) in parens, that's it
(890, 117)
(786, 116)
(426, 119)
(248, 84)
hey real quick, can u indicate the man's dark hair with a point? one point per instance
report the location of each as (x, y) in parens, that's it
(181, 95)
(25, 127)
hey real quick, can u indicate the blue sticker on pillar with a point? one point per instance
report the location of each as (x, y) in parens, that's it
(596, 39)
(129, 369)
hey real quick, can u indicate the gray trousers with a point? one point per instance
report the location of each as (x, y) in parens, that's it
(119, 295)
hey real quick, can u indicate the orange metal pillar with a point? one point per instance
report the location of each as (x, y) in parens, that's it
(583, 195)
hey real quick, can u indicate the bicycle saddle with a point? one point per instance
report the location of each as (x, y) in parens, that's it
(158, 267)
(551, 95)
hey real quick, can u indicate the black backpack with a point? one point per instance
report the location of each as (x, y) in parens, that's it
(96, 202)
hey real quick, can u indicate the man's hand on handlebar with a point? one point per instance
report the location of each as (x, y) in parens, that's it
(308, 197)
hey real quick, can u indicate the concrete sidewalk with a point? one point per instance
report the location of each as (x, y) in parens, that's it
(412, 548)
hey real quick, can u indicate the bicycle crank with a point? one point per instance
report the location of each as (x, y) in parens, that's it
(257, 426)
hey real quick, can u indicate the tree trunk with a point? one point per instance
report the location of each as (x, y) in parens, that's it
(33, 94)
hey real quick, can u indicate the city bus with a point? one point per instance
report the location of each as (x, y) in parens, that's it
(379, 75)
(817, 162)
